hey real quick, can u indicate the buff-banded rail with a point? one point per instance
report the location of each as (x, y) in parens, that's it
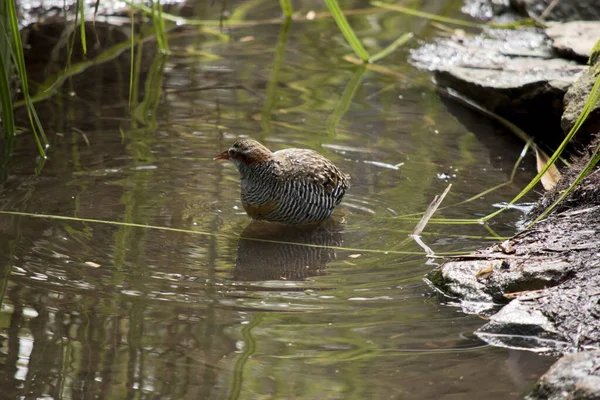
(290, 186)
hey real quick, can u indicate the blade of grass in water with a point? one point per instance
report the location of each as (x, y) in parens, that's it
(271, 92)
(8, 121)
(286, 7)
(145, 112)
(19, 60)
(392, 47)
(215, 234)
(131, 54)
(347, 30)
(345, 100)
(81, 11)
(158, 23)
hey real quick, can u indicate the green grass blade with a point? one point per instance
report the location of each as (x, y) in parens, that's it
(345, 101)
(286, 7)
(422, 14)
(271, 90)
(81, 11)
(162, 28)
(594, 159)
(392, 47)
(347, 30)
(158, 24)
(8, 120)
(591, 101)
(19, 60)
(131, 55)
(213, 234)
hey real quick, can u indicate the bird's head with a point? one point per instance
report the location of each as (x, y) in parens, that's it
(245, 152)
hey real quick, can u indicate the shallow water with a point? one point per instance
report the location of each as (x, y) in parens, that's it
(167, 301)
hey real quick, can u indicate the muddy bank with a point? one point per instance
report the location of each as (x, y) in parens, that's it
(540, 288)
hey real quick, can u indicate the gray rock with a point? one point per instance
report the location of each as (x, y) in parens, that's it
(520, 325)
(574, 39)
(575, 376)
(511, 72)
(562, 10)
(486, 9)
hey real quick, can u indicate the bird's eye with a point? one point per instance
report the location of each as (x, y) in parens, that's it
(231, 152)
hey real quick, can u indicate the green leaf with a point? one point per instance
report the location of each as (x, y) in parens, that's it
(347, 30)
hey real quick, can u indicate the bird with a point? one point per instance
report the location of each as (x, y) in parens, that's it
(289, 186)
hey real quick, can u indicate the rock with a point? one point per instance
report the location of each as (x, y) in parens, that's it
(491, 277)
(511, 72)
(574, 39)
(551, 10)
(550, 272)
(575, 376)
(576, 97)
(520, 325)
(486, 9)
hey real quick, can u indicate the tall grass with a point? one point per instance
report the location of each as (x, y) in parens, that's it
(13, 60)
(6, 68)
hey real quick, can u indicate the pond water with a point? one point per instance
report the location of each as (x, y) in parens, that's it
(146, 290)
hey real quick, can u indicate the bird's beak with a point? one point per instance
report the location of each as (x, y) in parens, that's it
(223, 156)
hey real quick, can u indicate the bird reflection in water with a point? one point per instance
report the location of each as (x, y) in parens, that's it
(270, 251)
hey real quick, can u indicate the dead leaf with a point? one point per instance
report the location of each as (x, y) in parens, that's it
(247, 39)
(354, 255)
(506, 247)
(485, 273)
(552, 176)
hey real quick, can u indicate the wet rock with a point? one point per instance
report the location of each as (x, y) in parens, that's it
(571, 10)
(576, 97)
(574, 39)
(486, 9)
(520, 325)
(575, 376)
(513, 73)
(549, 274)
(493, 275)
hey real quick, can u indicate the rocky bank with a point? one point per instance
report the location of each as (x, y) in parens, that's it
(541, 288)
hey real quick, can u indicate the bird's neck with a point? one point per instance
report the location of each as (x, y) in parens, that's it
(254, 170)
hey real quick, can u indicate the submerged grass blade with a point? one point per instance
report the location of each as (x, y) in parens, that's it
(347, 30)
(345, 101)
(271, 90)
(392, 47)
(212, 234)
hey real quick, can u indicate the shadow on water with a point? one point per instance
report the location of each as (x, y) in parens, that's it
(270, 258)
(239, 309)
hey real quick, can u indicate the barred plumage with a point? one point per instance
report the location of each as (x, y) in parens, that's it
(291, 186)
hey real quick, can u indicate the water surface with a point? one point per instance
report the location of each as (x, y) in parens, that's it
(119, 310)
